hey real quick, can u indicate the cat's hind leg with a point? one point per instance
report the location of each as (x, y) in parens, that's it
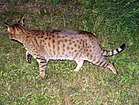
(103, 62)
(79, 64)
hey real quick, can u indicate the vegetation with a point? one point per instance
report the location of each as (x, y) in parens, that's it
(113, 22)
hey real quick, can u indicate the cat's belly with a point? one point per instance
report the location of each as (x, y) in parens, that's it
(59, 57)
(65, 56)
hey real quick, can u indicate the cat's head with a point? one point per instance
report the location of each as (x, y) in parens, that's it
(15, 29)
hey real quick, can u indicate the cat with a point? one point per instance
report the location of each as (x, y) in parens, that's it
(77, 45)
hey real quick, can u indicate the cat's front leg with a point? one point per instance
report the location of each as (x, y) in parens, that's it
(28, 57)
(42, 66)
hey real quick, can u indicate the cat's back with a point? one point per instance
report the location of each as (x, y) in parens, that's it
(69, 33)
(63, 34)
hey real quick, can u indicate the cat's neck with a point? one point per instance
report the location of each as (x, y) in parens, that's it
(22, 34)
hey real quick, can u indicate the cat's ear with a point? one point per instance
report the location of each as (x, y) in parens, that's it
(21, 20)
(10, 28)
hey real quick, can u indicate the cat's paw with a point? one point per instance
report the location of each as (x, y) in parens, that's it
(41, 77)
(28, 58)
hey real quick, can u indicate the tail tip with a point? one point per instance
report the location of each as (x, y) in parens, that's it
(123, 46)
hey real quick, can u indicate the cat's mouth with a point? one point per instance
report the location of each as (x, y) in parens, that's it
(10, 36)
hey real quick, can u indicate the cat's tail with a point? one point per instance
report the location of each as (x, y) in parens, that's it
(114, 52)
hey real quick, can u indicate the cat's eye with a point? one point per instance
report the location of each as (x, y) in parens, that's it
(6, 25)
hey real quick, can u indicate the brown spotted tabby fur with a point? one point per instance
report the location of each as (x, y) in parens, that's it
(61, 44)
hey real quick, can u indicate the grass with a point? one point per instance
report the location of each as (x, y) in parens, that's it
(113, 22)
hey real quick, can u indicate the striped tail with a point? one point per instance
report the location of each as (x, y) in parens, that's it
(114, 52)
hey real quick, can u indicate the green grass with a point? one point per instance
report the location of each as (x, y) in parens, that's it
(113, 23)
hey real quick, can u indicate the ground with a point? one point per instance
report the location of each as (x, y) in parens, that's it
(113, 22)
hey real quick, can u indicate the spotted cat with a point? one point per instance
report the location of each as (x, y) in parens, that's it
(75, 45)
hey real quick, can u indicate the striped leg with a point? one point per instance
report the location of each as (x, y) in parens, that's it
(42, 66)
(112, 68)
(28, 57)
(103, 62)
